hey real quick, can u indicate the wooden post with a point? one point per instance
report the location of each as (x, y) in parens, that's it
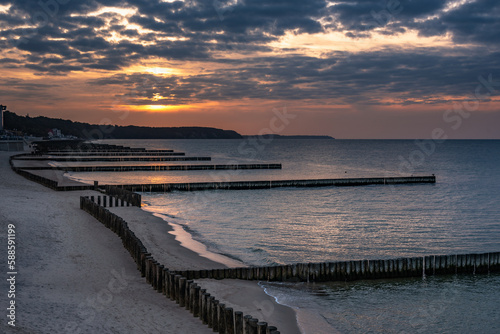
(96, 185)
(246, 320)
(229, 317)
(252, 326)
(172, 285)
(110, 201)
(196, 301)
(200, 302)
(222, 317)
(104, 199)
(250, 273)
(210, 311)
(262, 327)
(191, 296)
(182, 292)
(144, 257)
(148, 269)
(494, 263)
(204, 307)
(238, 322)
(220, 273)
(187, 296)
(483, 263)
(164, 276)
(215, 315)
(272, 330)
(168, 284)
(177, 288)
(152, 269)
(279, 273)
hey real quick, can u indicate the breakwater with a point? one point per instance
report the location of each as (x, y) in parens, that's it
(121, 153)
(125, 158)
(108, 150)
(123, 194)
(243, 185)
(47, 182)
(79, 146)
(362, 269)
(174, 285)
(155, 168)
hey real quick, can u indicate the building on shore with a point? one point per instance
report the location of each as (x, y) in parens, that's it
(7, 142)
(2, 108)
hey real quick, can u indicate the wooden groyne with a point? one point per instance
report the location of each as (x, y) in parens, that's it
(123, 194)
(49, 183)
(363, 269)
(174, 285)
(111, 201)
(108, 150)
(126, 158)
(243, 185)
(121, 153)
(155, 168)
(65, 146)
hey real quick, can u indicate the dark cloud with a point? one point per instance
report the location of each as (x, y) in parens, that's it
(65, 38)
(192, 26)
(476, 23)
(13, 88)
(370, 77)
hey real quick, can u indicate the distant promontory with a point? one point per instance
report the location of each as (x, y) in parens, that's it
(41, 126)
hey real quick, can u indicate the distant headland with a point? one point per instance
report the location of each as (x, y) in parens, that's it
(42, 126)
(274, 136)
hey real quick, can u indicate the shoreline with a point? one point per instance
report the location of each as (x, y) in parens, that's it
(260, 306)
(249, 297)
(186, 240)
(73, 274)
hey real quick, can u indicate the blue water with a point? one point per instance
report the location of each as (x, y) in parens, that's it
(458, 214)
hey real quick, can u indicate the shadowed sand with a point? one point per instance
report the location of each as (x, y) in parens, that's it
(74, 276)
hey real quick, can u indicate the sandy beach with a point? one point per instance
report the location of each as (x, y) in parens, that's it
(73, 274)
(246, 296)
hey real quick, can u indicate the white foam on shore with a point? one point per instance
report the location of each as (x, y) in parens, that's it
(186, 240)
(308, 322)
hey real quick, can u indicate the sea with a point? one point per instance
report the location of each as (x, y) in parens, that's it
(459, 214)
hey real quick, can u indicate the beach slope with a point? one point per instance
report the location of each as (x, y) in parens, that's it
(73, 274)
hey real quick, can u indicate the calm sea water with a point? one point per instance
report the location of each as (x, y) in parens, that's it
(458, 214)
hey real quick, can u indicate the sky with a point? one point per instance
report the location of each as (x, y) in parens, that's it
(349, 69)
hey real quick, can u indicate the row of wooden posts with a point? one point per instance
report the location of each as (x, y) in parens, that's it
(52, 184)
(125, 195)
(109, 201)
(174, 285)
(86, 147)
(155, 168)
(362, 269)
(118, 153)
(120, 158)
(243, 185)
